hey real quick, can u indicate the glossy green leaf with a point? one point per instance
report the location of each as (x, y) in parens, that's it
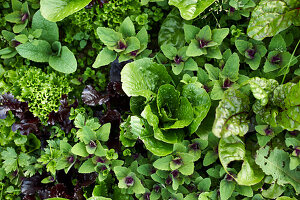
(234, 150)
(271, 17)
(200, 101)
(56, 10)
(232, 114)
(143, 78)
(226, 189)
(191, 9)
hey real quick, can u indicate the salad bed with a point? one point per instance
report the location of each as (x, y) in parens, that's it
(150, 99)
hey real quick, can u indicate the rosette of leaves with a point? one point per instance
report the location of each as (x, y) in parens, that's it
(204, 41)
(253, 51)
(48, 48)
(276, 105)
(128, 181)
(191, 9)
(91, 136)
(278, 57)
(15, 40)
(181, 162)
(57, 156)
(271, 17)
(127, 44)
(180, 61)
(163, 112)
(217, 80)
(19, 16)
(232, 115)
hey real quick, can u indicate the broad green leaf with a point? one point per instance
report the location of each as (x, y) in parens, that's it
(261, 88)
(105, 57)
(190, 32)
(171, 30)
(133, 44)
(273, 191)
(231, 68)
(103, 132)
(194, 49)
(169, 51)
(232, 114)
(56, 10)
(14, 17)
(276, 163)
(108, 36)
(277, 43)
(271, 17)
(191, 9)
(226, 189)
(143, 78)
(163, 163)
(79, 149)
(65, 63)
(210, 158)
(234, 150)
(167, 102)
(127, 28)
(121, 172)
(50, 29)
(87, 167)
(213, 72)
(37, 50)
(218, 35)
(200, 102)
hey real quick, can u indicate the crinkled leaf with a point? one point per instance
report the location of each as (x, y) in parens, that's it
(200, 102)
(261, 88)
(232, 114)
(143, 78)
(171, 30)
(271, 17)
